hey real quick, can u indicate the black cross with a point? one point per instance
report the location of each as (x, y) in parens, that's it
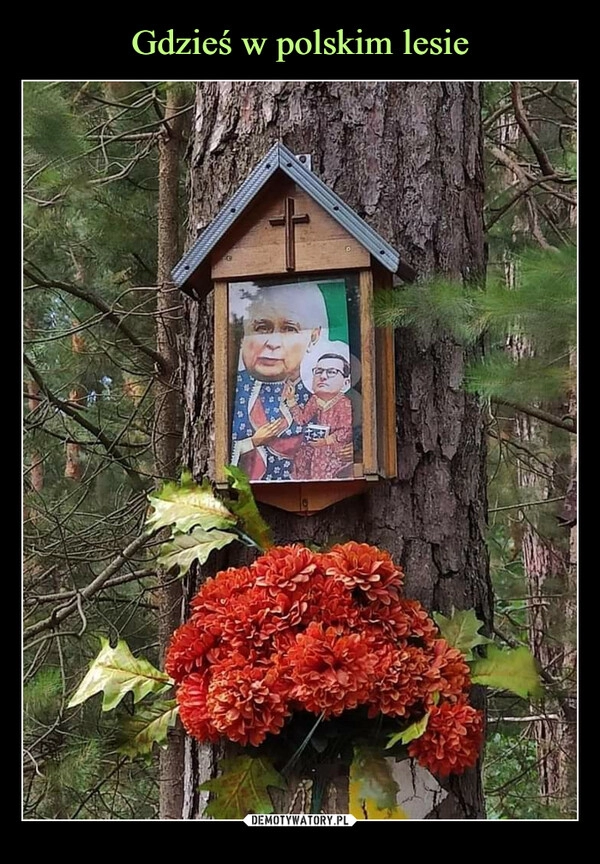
(288, 219)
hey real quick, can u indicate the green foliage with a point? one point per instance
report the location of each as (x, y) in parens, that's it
(543, 306)
(371, 777)
(242, 788)
(50, 125)
(86, 226)
(510, 775)
(148, 726)
(246, 510)
(415, 730)
(69, 778)
(513, 670)
(116, 672)
(431, 307)
(461, 630)
(499, 376)
(42, 694)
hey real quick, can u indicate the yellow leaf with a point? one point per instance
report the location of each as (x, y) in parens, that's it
(367, 808)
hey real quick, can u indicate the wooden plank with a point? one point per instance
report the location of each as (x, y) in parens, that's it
(221, 379)
(314, 256)
(367, 360)
(254, 247)
(386, 377)
(386, 386)
(307, 498)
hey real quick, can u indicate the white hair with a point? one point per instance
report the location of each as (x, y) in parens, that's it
(304, 300)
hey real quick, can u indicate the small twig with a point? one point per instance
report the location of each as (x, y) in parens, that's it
(136, 480)
(59, 615)
(539, 414)
(526, 504)
(94, 300)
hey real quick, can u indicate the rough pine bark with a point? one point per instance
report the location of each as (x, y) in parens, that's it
(408, 158)
(167, 421)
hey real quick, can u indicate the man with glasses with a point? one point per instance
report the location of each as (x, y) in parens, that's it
(326, 452)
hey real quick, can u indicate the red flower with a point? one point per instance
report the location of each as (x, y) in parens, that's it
(324, 633)
(187, 651)
(331, 603)
(452, 740)
(191, 697)
(216, 593)
(449, 674)
(284, 568)
(401, 680)
(247, 702)
(330, 672)
(359, 565)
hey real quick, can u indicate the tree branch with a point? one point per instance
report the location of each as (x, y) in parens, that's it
(519, 194)
(98, 303)
(539, 414)
(110, 583)
(523, 121)
(136, 480)
(94, 586)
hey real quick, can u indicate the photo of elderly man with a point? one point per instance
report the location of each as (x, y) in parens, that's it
(281, 323)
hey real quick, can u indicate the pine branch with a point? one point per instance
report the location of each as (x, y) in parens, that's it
(136, 480)
(539, 414)
(70, 595)
(525, 504)
(96, 301)
(86, 593)
(501, 154)
(519, 194)
(505, 105)
(523, 121)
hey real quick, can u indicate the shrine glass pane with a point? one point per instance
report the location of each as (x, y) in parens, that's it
(295, 378)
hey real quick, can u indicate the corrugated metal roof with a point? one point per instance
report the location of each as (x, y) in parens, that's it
(279, 157)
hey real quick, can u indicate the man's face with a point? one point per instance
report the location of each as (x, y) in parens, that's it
(275, 342)
(328, 377)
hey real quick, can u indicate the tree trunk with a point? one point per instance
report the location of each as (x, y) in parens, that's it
(407, 157)
(167, 421)
(548, 561)
(73, 466)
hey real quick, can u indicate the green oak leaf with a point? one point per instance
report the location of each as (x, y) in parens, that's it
(371, 778)
(460, 631)
(246, 510)
(242, 788)
(186, 505)
(116, 672)
(183, 549)
(513, 670)
(415, 730)
(148, 726)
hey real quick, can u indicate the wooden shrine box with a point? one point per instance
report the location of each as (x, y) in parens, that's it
(304, 382)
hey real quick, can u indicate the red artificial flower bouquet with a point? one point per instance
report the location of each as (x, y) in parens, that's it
(324, 633)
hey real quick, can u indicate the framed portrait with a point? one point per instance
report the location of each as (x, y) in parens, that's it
(294, 384)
